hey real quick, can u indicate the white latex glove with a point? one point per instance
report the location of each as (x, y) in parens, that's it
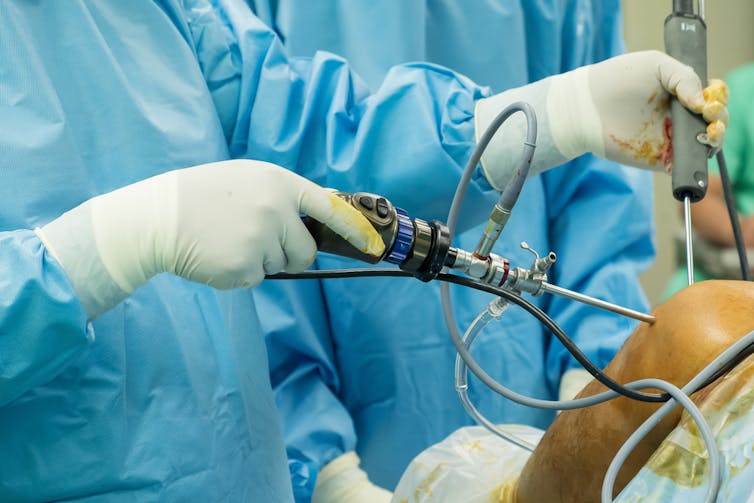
(618, 109)
(225, 224)
(572, 382)
(342, 481)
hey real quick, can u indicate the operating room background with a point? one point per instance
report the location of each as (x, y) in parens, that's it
(730, 43)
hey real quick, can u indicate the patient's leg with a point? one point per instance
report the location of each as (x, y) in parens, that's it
(692, 328)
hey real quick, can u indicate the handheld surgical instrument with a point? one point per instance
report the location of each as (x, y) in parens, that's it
(686, 40)
(423, 248)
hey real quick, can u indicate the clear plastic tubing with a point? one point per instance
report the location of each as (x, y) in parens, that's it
(492, 312)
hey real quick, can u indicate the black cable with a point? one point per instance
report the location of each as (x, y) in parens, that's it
(532, 309)
(572, 348)
(556, 330)
(683, 6)
(730, 204)
(356, 272)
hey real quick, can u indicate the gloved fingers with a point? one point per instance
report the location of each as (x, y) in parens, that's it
(341, 217)
(715, 135)
(715, 110)
(299, 246)
(275, 258)
(681, 81)
(238, 272)
(716, 90)
(241, 265)
(253, 276)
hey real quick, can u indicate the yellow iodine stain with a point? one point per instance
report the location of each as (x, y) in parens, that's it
(373, 244)
(682, 466)
(425, 486)
(505, 492)
(717, 90)
(472, 446)
(731, 400)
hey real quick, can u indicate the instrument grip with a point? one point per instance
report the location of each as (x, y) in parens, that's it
(686, 41)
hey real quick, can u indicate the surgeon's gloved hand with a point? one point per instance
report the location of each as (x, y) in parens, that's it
(224, 224)
(618, 109)
(342, 481)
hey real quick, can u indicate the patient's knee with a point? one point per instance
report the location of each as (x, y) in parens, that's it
(692, 327)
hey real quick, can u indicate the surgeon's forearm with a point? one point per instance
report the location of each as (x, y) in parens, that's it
(570, 461)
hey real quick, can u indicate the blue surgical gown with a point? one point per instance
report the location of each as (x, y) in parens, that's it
(167, 397)
(371, 357)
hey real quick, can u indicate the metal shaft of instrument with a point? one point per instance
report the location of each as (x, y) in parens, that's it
(556, 290)
(689, 243)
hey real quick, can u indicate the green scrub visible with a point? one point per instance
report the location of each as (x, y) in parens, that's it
(739, 140)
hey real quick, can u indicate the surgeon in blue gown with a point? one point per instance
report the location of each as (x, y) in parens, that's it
(147, 137)
(373, 359)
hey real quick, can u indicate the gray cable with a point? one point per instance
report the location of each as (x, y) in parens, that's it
(679, 397)
(510, 194)
(450, 321)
